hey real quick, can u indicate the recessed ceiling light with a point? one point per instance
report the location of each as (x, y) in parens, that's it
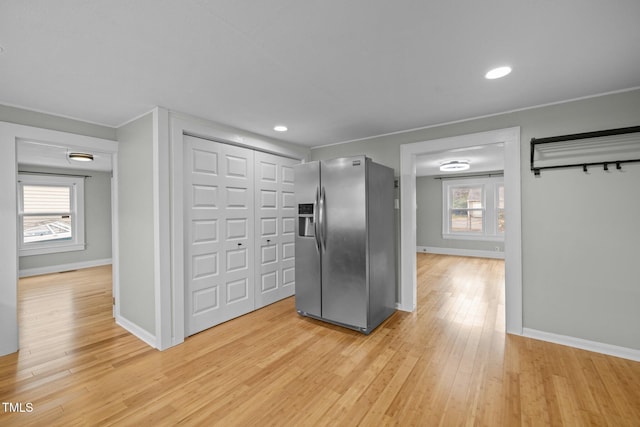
(81, 157)
(455, 166)
(280, 128)
(496, 73)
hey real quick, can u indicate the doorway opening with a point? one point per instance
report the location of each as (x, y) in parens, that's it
(14, 138)
(510, 138)
(64, 232)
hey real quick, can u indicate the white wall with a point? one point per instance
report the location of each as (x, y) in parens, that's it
(8, 243)
(578, 274)
(583, 232)
(136, 294)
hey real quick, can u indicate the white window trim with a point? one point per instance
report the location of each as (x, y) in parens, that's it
(490, 210)
(77, 214)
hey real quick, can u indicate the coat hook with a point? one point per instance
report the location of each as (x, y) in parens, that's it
(606, 166)
(618, 166)
(584, 168)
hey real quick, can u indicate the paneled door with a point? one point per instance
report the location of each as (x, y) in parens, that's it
(275, 228)
(219, 232)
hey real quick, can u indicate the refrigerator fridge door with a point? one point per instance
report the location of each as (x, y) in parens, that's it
(307, 248)
(343, 232)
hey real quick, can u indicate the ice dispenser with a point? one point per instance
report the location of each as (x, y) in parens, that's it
(305, 220)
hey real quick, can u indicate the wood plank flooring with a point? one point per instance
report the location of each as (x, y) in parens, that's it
(448, 363)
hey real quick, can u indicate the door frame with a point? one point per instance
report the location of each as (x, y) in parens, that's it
(513, 211)
(172, 305)
(10, 135)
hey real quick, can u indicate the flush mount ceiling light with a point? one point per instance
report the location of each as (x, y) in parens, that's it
(455, 166)
(280, 128)
(496, 73)
(81, 157)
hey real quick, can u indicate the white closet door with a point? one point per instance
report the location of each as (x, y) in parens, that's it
(275, 228)
(219, 221)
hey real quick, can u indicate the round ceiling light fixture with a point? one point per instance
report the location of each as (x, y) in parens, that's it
(280, 128)
(497, 73)
(455, 166)
(81, 157)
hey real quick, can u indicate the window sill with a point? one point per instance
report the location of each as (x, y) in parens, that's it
(51, 249)
(479, 237)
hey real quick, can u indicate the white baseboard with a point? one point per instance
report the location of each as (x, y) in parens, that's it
(27, 272)
(598, 347)
(137, 331)
(461, 252)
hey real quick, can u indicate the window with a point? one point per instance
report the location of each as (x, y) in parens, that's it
(500, 207)
(50, 214)
(473, 209)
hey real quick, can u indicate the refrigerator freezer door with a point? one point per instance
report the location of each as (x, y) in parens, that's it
(308, 257)
(344, 234)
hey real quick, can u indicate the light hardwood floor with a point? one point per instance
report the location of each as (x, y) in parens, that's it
(448, 363)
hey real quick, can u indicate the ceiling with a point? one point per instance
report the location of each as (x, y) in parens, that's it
(332, 71)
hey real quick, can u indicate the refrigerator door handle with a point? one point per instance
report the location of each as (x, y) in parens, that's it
(316, 228)
(323, 219)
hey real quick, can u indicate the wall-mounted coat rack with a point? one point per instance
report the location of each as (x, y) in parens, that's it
(611, 142)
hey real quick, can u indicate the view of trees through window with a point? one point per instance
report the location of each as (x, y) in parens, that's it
(466, 214)
(473, 208)
(500, 208)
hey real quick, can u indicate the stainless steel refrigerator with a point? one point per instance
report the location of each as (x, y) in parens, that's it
(345, 254)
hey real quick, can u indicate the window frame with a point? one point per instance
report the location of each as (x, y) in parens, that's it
(76, 211)
(490, 229)
(497, 186)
